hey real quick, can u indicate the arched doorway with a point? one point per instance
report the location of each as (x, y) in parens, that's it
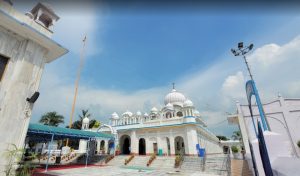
(179, 146)
(125, 144)
(142, 146)
(102, 144)
(111, 146)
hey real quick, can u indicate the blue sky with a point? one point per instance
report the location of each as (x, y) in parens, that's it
(135, 52)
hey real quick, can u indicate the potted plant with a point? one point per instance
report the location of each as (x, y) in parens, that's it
(235, 151)
(177, 161)
(118, 150)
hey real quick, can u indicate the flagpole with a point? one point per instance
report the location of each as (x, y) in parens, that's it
(77, 82)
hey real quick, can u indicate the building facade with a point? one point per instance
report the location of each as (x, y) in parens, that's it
(25, 47)
(175, 129)
(283, 119)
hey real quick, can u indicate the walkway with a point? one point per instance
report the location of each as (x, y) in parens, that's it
(116, 171)
(240, 168)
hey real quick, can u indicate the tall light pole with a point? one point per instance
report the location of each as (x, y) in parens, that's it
(242, 51)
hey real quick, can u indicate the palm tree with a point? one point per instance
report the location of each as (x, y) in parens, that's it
(237, 135)
(85, 113)
(52, 119)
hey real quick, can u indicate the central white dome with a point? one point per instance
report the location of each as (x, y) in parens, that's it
(175, 97)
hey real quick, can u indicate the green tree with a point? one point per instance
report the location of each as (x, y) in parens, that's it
(223, 138)
(237, 135)
(52, 119)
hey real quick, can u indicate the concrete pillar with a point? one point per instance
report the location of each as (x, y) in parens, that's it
(106, 146)
(243, 128)
(98, 146)
(82, 146)
(159, 143)
(134, 143)
(149, 146)
(191, 141)
(172, 146)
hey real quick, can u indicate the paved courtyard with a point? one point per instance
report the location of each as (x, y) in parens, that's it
(120, 171)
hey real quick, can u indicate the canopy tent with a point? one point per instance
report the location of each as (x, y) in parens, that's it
(41, 133)
(44, 133)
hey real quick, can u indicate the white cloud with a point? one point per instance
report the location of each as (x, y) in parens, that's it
(233, 88)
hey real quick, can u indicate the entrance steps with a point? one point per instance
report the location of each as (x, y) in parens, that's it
(118, 160)
(216, 164)
(94, 159)
(163, 162)
(139, 160)
(192, 163)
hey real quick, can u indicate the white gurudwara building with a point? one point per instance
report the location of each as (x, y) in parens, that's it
(177, 128)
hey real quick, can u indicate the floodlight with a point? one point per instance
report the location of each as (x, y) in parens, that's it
(233, 51)
(250, 46)
(240, 45)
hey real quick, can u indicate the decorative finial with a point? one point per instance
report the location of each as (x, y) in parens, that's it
(173, 85)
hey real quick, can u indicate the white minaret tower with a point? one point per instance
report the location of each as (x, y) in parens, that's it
(85, 123)
(82, 142)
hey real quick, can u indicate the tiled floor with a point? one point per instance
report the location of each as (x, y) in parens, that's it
(119, 171)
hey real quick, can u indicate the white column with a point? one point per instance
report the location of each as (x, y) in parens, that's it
(98, 146)
(172, 146)
(82, 146)
(106, 146)
(149, 146)
(243, 128)
(134, 142)
(191, 141)
(159, 142)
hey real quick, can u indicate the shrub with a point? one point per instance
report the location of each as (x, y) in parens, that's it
(234, 149)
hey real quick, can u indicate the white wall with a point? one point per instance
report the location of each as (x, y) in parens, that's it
(20, 80)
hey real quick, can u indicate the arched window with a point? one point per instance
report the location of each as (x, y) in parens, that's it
(168, 115)
(179, 114)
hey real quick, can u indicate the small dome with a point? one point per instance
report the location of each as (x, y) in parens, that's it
(138, 113)
(146, 115)
(175, 97)
(114, 115)
(196, 113)
(86, 120)
(154, 110)
(188, 103)
(169, 106)
(127, 113)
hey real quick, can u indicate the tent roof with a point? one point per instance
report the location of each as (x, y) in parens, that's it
(44, 132)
